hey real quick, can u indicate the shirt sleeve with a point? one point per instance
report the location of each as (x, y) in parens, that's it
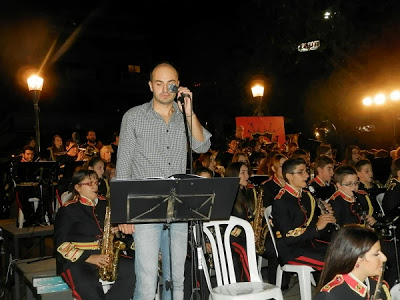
(126, 147)
(202, 147)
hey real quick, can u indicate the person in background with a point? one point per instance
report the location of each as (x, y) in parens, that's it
(352, 155)
(368, 184)
(322, 184)
(353, 265)
(276, 182)
(110, 171)
(57, 148)
(97, 164)
(114, 145)
(106, 154)
(243, 208)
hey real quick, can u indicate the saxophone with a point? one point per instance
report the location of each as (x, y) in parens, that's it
(111, 248)
(260, 230)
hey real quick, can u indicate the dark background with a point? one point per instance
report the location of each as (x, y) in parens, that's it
(83, 49)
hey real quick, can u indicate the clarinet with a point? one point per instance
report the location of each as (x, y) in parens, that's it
(378, 288)
(321, 205)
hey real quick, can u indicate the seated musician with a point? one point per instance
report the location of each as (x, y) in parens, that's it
(295, 218)
(391, 199)
(368, 184)
(350, 205)
(353, 267)
(56, 148)
(353, 206)
(78, 231)
(273, 185)
(322, 182)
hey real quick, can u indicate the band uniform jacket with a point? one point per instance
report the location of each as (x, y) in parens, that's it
(322, 189)
(294, 222)
(347, 287)
(78, 229)
(271, 188)
(349, 211)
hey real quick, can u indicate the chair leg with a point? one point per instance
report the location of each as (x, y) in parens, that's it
(305, 285)
(279, 274)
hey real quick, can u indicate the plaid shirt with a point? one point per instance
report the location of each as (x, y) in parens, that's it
(148, 147)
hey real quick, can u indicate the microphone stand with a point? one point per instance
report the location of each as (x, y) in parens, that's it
(195, 242)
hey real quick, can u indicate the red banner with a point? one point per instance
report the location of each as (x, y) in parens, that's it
(272, 128)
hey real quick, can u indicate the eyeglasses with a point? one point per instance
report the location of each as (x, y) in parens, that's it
(302, 172)
(92, 183)
(351, 183)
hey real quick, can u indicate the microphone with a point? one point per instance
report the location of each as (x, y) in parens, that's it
(172, 88)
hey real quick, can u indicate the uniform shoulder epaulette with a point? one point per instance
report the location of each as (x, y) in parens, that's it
(101, 197)
(280, 194)
(362, 192)
(335, 195)
(338, 280)
(71, 201)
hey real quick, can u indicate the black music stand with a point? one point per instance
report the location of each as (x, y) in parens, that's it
(42, 174)
(191, 198)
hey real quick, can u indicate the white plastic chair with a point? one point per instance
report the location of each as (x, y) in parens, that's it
(227, 287)
(304, 272)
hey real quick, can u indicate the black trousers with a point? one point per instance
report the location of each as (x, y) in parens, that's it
(83, 279)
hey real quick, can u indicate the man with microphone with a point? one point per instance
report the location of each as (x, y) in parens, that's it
(153, 143)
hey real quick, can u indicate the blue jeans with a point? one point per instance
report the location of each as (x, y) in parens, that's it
(149, 238)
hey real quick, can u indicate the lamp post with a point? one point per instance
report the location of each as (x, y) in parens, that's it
(258, 91)
(35, 85)
(379, 100)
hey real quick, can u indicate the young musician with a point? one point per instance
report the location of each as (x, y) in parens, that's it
(276, 182)
(353, 267)
(78, 230)
(295, 218)
(322, 183)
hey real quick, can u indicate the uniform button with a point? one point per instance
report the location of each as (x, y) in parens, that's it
(167, 147)
(169, 163)
(167, 130)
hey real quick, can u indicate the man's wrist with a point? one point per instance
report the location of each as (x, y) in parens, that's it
(191, 115)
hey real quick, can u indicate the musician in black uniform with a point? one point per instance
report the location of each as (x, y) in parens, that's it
(353, 206)
(391, 199)
(322, 182)
(368, 184)
(276, 182)
(78, 229)
(353, 267)
(350, 205)
(295, 218)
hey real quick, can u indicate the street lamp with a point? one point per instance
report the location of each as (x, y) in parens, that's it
(258, 91)
(35, 85)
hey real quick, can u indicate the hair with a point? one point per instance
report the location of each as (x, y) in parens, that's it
(205, 158)
(290, 165)
(104, 148)
(68, 142)
(349, 152)
(110, 166)
(79, 176)
(237, 154)
(293, 144)
(358, 166)
(27, 147)
(90, 130)
(274, 162)
(53, 147)
(342, 171)
(202, 169)
(395, 167)
(233, 169)
(323, 150)
(298, 153)
(160, 64)
(92, 162)
(263, 166)
(350, 243)
(321, 162)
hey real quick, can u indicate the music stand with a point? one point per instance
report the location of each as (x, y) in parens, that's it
(41, 173)
(191, 198)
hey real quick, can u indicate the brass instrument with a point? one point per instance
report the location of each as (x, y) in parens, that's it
(260, 230)
(110, 248)
(378, 289)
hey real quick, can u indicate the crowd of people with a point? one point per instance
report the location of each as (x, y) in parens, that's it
(316, 203)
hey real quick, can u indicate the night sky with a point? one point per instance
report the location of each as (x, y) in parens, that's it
(218, 47)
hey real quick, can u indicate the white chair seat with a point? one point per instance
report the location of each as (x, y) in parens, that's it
(304, 272)
(227, 287)
(246, 290)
